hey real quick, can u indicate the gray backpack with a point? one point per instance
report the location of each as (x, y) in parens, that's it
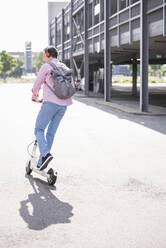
(62, 77)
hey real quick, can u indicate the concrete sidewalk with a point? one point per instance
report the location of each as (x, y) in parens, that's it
(132, 107)
(123, 100)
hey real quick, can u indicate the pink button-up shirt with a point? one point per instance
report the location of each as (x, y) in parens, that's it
(43, 77)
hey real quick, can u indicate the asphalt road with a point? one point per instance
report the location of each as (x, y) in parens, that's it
(111, 187)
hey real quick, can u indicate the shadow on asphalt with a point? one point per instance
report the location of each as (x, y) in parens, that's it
(42, 208)
(157, 123)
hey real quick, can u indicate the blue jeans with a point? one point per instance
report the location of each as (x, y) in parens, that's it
(49, 116)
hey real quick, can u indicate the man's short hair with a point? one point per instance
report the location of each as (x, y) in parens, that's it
(53, 52)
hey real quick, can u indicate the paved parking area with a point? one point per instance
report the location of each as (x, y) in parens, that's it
(111, 187)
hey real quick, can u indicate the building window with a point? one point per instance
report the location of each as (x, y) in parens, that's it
(67, 27)
(134, 1)
(59, 34)
(97, 11)
(82, 21)
(113, 7)
(122, 4)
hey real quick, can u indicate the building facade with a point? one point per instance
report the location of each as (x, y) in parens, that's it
(92, 34)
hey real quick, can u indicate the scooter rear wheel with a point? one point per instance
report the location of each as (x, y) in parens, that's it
(28, 167)
(52, 177)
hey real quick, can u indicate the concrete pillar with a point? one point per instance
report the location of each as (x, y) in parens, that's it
(63, 36)
(164, 19)
(130, 24)
(107, 53)
(134, 78)
(100, 20)
(71, 36)
(86, 48)
(49, 30)
(56, 40)
(93, 23)
(118, 27)
(144, 52)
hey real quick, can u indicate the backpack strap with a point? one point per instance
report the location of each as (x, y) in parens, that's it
(62, 68)
(57, 68)
(52, 65)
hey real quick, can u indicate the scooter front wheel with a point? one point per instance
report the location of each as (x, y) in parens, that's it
(28, 168)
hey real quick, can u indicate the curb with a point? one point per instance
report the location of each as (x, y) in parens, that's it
(122, 108)
(128, 110)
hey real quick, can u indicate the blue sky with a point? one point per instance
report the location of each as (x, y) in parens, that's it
(23, 20)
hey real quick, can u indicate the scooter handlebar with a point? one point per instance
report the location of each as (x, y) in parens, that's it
(38, 101)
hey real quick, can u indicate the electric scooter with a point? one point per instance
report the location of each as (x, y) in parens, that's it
(32, 163)
(32, 166)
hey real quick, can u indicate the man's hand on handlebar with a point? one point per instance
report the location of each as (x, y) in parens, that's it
(37, 100)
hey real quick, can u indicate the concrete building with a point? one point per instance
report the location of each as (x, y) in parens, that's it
(98, 33)
(28, 57)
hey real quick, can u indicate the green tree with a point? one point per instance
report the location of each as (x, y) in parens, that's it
(163, 70)
(38, 60)
(151, 71)
(0, 65)
(8, 64)
(18, 71)
(157, 70)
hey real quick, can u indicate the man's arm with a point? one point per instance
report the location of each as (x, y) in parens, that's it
(39, 81)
